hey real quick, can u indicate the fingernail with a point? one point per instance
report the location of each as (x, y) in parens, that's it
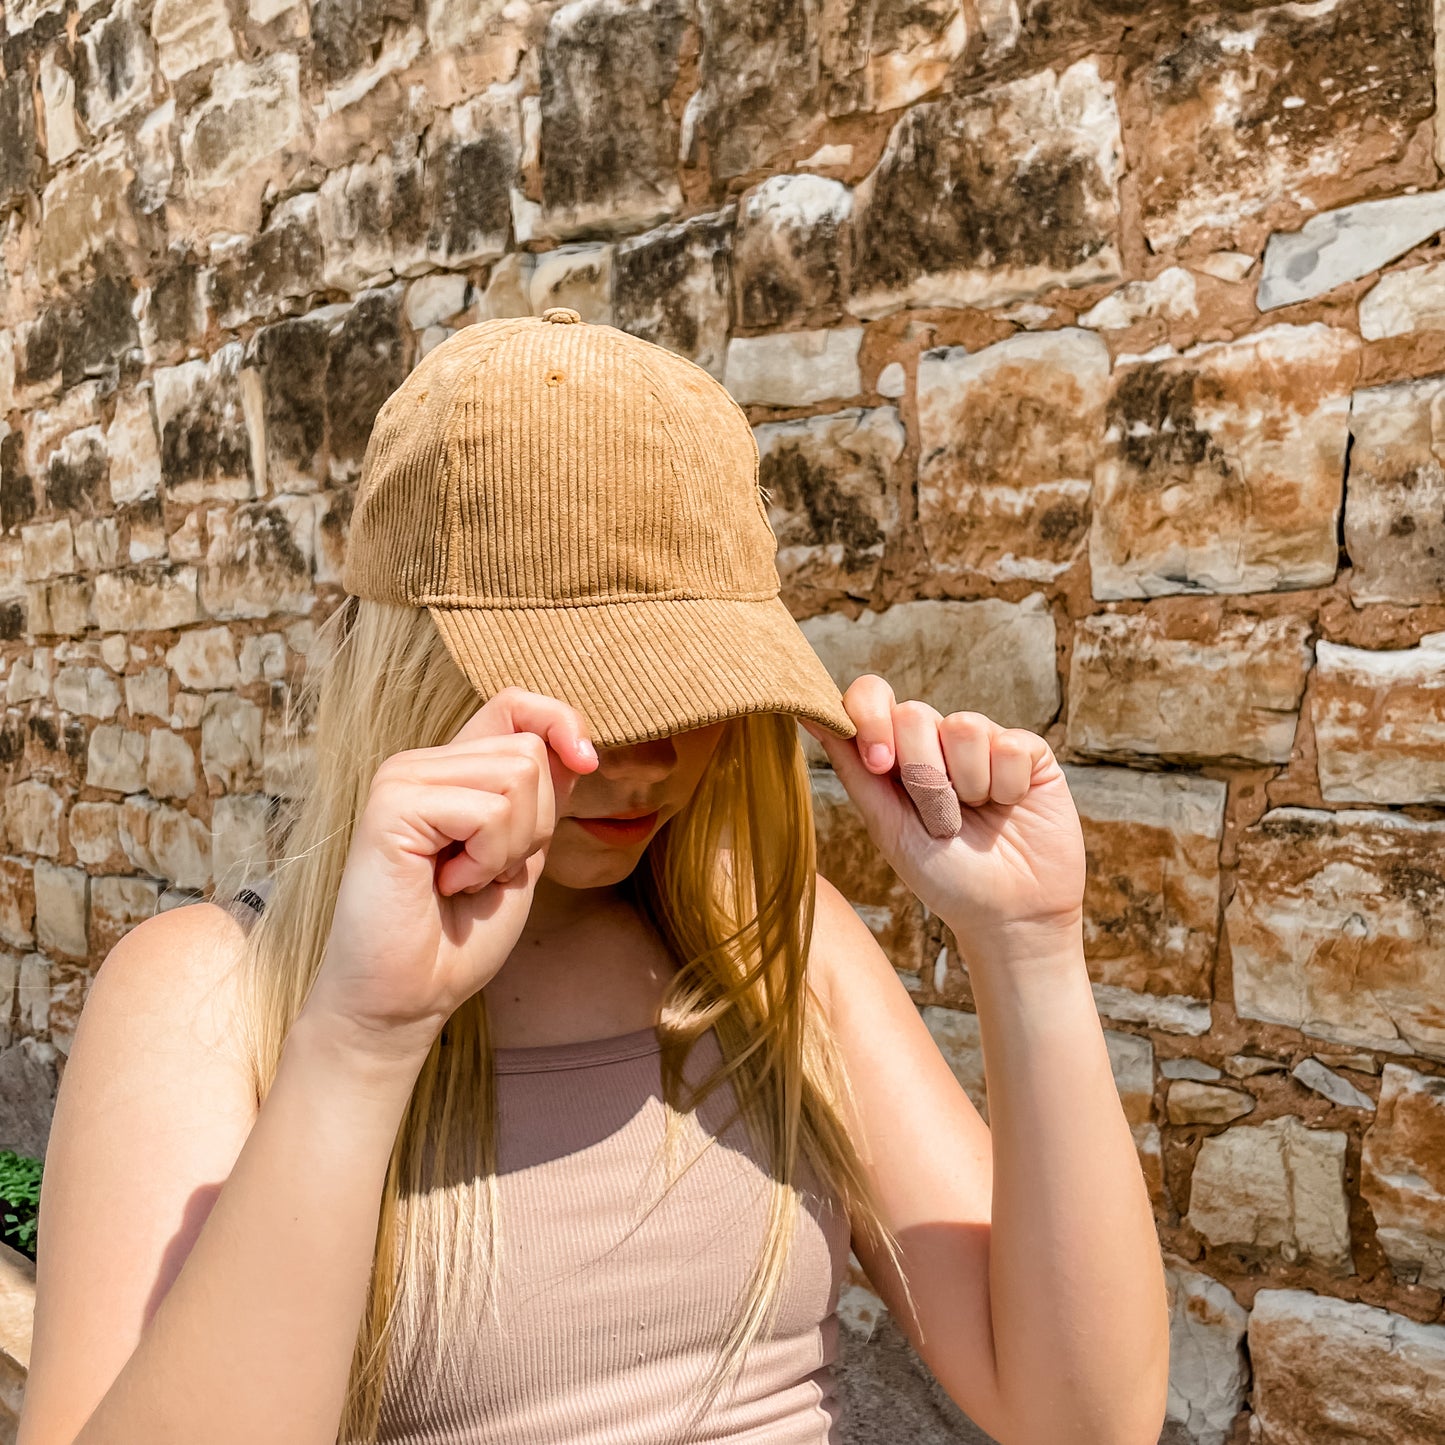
(586, 749)
(878, 755)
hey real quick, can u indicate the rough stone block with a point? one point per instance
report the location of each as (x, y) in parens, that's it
(994, 197)
(1232, 691)
(1151, 898)
(1210, 482)
(1402, 1174)
(833, 499)
(1395, 493)
(1334, 927)
(1007, 445)
(1279, 1186)
(1379, 722)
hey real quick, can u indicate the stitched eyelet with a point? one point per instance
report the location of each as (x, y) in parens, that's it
(553, 377)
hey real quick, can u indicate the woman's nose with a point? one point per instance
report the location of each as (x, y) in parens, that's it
(655, 758)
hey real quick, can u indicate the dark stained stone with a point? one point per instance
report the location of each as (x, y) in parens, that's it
(285, 260)
(76, 474)
(609, 142)
(291, 356)
(17, 491)
(205, 445)
(346, 35)
(990, 197)
(1227, 135)
(468, 195)
(670, 286)
(113, 67)
(790, 255)
(12, 625)
(19, 158)
(173, 315)
(366, 362)
(40, 348)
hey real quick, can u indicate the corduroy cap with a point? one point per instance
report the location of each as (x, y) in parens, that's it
(579, 511)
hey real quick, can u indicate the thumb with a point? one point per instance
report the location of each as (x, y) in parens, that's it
(876, 794)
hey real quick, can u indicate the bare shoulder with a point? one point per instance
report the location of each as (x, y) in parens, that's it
(178, 971)
(843, 944)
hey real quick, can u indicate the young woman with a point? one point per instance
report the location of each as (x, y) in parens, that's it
(545, 1095)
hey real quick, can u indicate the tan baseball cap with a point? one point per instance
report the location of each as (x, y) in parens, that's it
(578, 509)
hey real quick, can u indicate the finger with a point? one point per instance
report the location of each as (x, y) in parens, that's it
(514, 709)
(431, 818)
(869, 701)
(922, 770)
(967, 740)
(1015, 752)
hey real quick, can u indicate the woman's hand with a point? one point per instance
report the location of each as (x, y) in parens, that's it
(439, 877)
(1014, 872)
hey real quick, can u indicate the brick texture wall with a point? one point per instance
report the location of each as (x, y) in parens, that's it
(1096, 355)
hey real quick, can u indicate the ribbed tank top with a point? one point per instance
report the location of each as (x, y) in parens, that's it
(612, 1295)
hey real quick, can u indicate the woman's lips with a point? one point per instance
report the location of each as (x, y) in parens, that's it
(620, 831)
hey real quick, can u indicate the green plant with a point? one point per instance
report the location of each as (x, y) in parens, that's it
(20, 1185)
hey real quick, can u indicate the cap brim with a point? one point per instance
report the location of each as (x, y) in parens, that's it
(646, 669)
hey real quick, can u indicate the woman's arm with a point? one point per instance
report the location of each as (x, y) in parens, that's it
(1035, 1279)
(253, 1339)
(1076, 1280)
(1068, 1276)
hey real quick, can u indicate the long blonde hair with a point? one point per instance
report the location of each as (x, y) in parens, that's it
(729, 883)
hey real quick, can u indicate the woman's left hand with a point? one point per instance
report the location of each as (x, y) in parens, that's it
(1014, 873)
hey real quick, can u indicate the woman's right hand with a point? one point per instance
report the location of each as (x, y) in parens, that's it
(439, 877)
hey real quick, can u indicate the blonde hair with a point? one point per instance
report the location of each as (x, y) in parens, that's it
(730, 885)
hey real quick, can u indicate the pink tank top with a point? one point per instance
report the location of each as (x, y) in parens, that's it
(611, 1300)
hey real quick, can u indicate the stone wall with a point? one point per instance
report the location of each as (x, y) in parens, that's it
(1096, 355)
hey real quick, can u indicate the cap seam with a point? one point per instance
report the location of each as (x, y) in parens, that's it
(531, 604)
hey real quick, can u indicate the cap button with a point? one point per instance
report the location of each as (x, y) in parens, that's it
(561, 314)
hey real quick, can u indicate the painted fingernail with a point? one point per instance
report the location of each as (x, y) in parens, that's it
(878, 755)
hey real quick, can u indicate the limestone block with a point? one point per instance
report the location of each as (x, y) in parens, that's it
(1008, 438)
(1208, 1371)
(669, 286)
(791, 252)
(231, 741)
(139, 599)
(1279, 103)
(170, 765)
(1395, 493)
(1334, 927)
(1151, 897)
(1342, 245)
(253, 277)
(117, 904)
(83, 207)
(982, 199)
(259, 560)
(832, 499)
(1379, 721)
(1192, 1102)
(254, 110)
(61, 908)
(794, 368)
(1332, 1370)
(204, 659)
(1210, 482)
(208, 412)
(32, 818)
(609, 140)
(115, 759)
(190, 34)
(1403, 302)
(1233, 692)
(987, 656)
(115, 67)
(1274, 1186)
(1402, 1174)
